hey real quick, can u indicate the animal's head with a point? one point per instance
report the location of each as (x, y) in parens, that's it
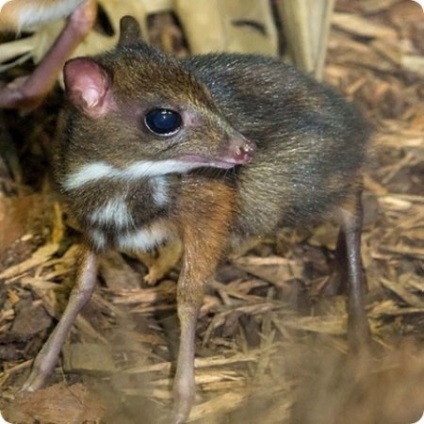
(138, 113)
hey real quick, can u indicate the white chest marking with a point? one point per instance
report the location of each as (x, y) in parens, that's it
(114, 212)
(95, 171)
(144, 239)
(160, 190)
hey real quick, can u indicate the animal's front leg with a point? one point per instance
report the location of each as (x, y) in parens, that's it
(81, 293)
(204, 224)
(190, 295)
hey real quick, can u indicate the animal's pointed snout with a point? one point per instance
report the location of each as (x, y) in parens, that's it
(241, 149)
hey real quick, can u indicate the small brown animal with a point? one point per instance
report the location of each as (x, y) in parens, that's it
(19, 15)
(207, 149)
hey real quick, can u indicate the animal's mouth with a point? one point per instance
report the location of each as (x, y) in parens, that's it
(224, 163)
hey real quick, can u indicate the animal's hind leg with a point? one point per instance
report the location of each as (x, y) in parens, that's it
(349, 264)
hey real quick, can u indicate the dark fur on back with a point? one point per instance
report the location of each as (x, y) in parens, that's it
(311, 142)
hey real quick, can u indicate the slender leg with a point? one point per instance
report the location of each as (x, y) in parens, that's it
(348, 254)
(184, 384)
(35, 88)
(204, 226)
(81, 293)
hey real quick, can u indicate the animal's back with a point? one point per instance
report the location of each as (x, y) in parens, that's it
(311, 142)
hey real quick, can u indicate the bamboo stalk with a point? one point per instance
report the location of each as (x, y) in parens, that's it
(237, 26)
(306, 24)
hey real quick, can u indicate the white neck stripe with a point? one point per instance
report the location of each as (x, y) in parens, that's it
(138, 170)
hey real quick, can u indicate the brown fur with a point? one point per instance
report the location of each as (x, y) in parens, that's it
(310, 143)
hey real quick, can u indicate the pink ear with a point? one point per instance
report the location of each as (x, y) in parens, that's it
(88, 87)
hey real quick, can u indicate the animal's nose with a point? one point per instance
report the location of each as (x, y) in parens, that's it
(241, 149)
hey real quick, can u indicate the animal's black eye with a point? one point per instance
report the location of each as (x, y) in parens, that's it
(163, 121)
